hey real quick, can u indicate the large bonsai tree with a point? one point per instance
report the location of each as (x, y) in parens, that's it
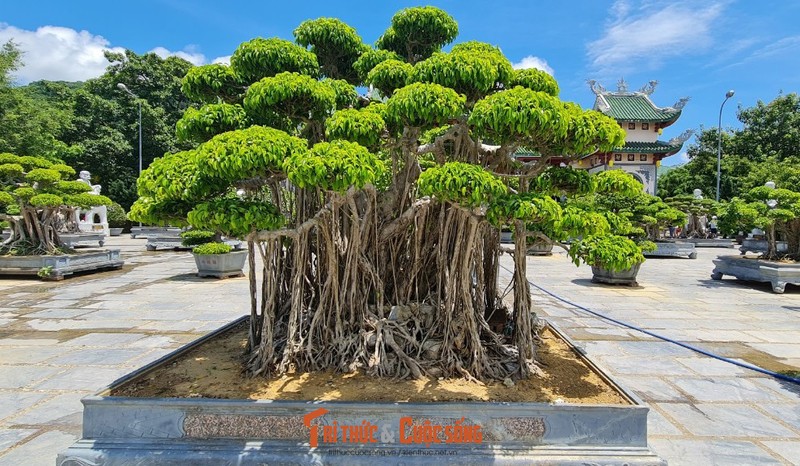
(698, 211)
(38, 200)
(776, 211)
(377, 221)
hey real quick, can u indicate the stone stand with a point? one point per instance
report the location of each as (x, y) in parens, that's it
(778, 274)
(94, 220)
(146, 232)
(167, 431)
(673, 249)
(60, 266)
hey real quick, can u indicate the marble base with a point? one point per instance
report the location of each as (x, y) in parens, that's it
(760, 245)
(61, 266)
(71, 240)
(673, 249)
(710, 242)
(146, 232)
(610, 277)
(778, 274)
(197, 431)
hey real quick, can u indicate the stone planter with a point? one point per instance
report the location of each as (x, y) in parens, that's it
(161, 241)
(778, 274)
(540, 249)
(710, 242)
(60, 266)
(71, 240)
(760, 245)
(220, 265)
(146, 232)
(673, 249)
(115, 231)
(197, 431)
(610, 277)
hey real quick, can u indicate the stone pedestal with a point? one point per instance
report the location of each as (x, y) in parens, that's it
(94, 220)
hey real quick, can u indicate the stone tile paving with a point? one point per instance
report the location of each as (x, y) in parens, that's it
(61, 341)
(703, 411)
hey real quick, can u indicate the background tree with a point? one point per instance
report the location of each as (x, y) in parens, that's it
(768, 140)
(105, 122)
(369, 261)
(33, 118)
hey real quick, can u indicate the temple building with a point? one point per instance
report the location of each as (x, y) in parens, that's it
(643, 122)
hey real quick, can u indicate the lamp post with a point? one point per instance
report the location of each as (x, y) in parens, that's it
(728, 95)
(125, 89)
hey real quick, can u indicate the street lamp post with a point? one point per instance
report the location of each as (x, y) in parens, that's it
(728, 95)
(125, 89)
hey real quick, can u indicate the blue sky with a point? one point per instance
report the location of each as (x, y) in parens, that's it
(698, 49)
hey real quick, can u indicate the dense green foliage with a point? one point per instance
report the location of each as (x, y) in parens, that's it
(776, 211)
(357, 207)
(764, 149)
(38, 200)
(212, 248)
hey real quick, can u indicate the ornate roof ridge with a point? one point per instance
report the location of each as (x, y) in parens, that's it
(622, 91)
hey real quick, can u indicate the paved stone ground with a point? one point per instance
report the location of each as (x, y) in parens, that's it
(60, 341)
(703, 411)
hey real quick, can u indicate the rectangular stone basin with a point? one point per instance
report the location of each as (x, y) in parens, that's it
(60, 266)
(141, 431)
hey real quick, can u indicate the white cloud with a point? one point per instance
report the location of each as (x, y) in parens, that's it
(653, 32)
(58, 53)
(681, 157)
(226, 60)
(194, 58)
(534, 62)
(62, 54)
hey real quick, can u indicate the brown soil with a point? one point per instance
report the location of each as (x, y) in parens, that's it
(214, 370)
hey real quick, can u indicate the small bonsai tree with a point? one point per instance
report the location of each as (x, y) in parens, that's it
(698, 210)
(117, 218)
(616, 234)
(192, 238)
(649, 215)
(38, 200)
(776, 211)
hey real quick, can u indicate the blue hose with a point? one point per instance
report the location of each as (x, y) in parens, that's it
(776, 375)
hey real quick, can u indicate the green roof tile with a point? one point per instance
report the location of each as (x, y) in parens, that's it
(657, 147)
(636, 107)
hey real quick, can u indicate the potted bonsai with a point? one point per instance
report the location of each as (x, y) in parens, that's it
(614, 246)
(776, 211)
(650, 217)
(117, 219)
(213, 257)
(38, 201)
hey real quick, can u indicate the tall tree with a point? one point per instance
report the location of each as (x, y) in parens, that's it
(378, 225)
(769, 138)
(31, 123)
(105, 120)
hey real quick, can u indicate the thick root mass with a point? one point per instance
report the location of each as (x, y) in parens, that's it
(410, 297)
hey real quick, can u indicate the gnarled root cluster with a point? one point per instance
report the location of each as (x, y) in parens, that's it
(410, 297)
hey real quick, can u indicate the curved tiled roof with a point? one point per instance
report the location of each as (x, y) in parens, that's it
(658, 147)
(635, 107)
